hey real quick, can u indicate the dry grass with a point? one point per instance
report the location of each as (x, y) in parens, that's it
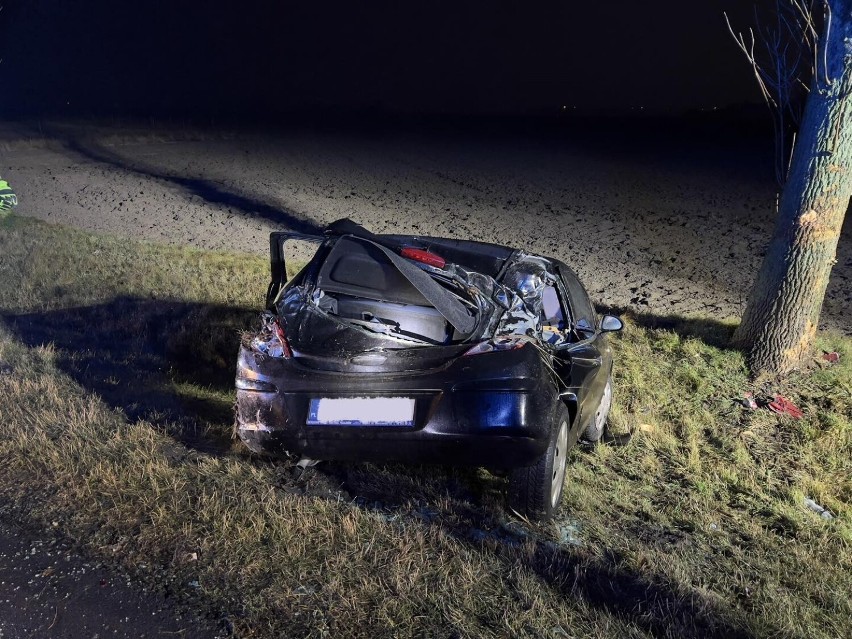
(115, 424)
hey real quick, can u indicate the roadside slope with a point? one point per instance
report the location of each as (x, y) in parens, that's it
(122, 436)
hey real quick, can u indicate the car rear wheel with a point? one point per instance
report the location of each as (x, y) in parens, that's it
(595, 430)
(535, 492)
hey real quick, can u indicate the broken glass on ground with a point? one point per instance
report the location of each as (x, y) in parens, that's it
(819, 510)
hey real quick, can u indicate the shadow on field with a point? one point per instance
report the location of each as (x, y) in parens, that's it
(467, 505)
(208, 190)
(641, 598)
(710, 331)
(170, 363)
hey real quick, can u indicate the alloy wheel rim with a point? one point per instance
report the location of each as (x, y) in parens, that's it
(559, 460)
(603, 409)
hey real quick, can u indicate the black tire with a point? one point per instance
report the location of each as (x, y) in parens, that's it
(536, 491)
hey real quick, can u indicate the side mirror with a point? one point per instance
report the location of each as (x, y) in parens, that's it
(611, 324)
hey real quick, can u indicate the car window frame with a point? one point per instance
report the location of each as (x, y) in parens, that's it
(567, 311)
(580, 291)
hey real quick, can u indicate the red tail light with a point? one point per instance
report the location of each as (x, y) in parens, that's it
(419, 255)
(282, 337)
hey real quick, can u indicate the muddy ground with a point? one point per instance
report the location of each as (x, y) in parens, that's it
(663, 221)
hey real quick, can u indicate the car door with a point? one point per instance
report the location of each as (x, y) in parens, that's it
(588, 360)
(289, 254)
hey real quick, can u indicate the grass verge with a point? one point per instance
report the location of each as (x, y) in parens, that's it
(115, 398)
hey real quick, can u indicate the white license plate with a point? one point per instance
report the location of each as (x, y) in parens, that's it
(361, 411)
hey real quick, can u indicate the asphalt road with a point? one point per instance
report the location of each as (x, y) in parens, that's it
(48, 589)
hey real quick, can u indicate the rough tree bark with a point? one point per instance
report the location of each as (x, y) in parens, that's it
(782, 314)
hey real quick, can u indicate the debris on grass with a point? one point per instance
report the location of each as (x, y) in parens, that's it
(784, 406)
(776, 403)
(832, 357)
(748, 401)
(819, 510)
(568, 532)
(304, 463)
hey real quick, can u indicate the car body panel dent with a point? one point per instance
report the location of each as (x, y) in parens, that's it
(357, 322)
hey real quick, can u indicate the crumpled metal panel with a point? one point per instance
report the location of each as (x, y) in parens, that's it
(526, 278)
(510, 307)
(266, 340)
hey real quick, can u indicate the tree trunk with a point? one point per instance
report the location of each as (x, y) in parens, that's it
(781, 318)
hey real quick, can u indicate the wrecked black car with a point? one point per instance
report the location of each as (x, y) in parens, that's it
(427, 350)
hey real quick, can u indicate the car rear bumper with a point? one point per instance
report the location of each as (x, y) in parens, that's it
(472, 412)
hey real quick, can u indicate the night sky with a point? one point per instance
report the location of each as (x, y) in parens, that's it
(263, 57)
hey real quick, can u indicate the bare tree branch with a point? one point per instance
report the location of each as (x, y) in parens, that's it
(784, 56)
